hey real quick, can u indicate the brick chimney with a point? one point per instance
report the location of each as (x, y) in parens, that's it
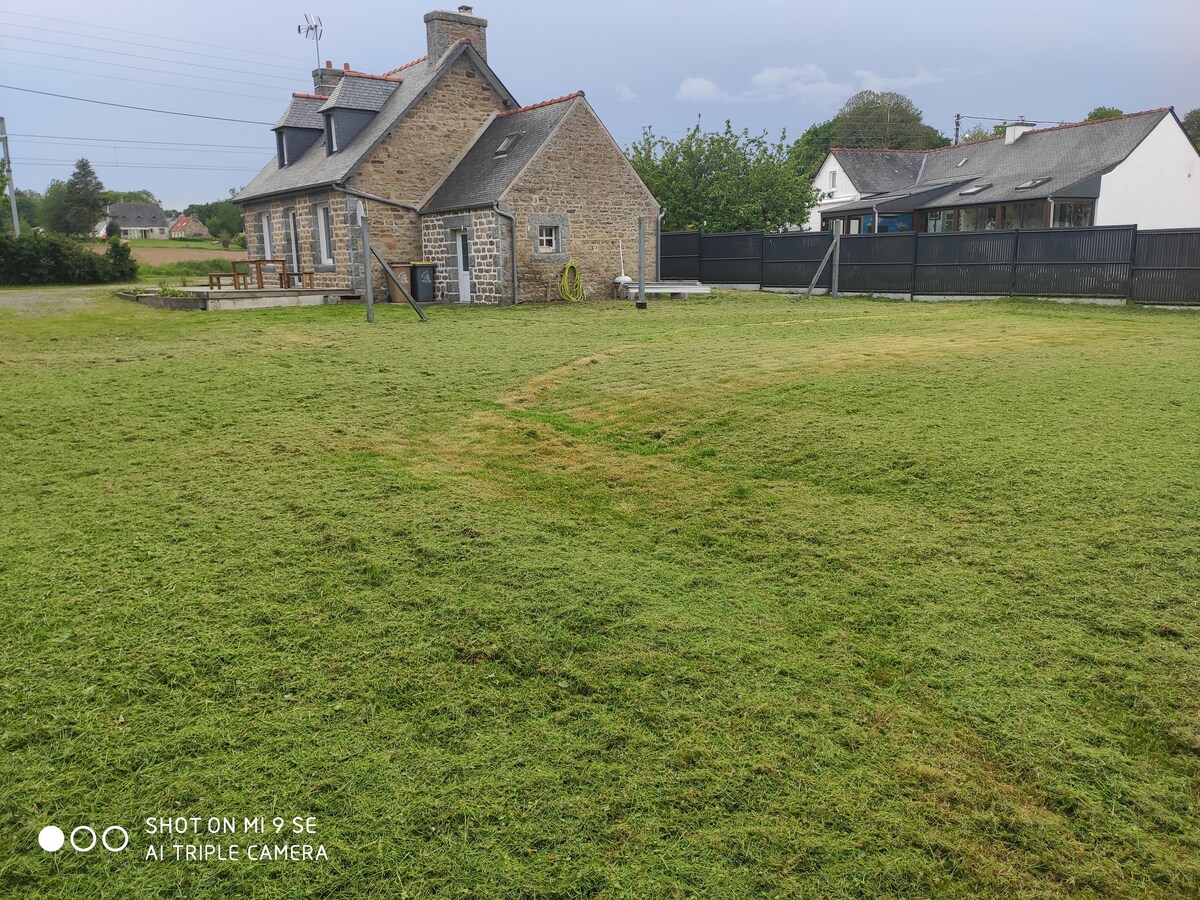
(443, 29)
(327, 78)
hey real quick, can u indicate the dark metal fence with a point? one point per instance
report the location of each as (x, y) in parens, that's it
(1111, 261)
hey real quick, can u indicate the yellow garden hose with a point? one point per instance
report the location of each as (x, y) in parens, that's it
(570, 286)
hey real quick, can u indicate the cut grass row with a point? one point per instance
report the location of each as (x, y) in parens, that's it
(735, 597)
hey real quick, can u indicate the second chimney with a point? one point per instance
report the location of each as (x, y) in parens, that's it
(1014, 130)
(443, 29)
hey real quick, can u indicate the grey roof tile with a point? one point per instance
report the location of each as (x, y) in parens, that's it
(481, 176)
(138, 215)
(303, 112)
(1072, 157)
(316, 168)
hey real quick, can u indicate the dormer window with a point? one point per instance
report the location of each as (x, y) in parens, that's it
(1031, 184)
(508, 143)
(331, 137)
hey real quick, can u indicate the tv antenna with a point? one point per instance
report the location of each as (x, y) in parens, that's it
(312, 29)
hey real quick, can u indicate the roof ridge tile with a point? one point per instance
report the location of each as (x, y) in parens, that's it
(407, 65)
(563, 99)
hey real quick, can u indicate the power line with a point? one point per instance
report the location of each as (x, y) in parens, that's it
(142, 81)
(103, 145)
(165, 112)
(148, 46)
(107, 165)
(156, 59)
(130, 141)
(146, 34)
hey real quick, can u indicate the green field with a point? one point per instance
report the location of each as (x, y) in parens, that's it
(735, 597)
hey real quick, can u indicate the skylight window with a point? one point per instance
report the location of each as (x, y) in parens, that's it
(974, 189)
(508, 143)
(1031, 183)
(962, 162)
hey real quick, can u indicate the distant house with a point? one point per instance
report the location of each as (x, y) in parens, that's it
(188, 227)
(1140, 169)
(449, 168)
(137, 220)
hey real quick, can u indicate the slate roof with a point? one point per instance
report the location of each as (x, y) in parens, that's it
(1072, 157)
(357, 92)
(315, 168)
(481, 177)
(303, 112)
(876, 171)
(137, 215)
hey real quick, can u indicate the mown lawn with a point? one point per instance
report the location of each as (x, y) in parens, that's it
(731, 598)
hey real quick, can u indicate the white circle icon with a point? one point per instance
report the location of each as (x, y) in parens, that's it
(83, 829)
(51, 838)
(109, 830)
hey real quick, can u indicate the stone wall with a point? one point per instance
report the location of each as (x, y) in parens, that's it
(346, 243)
(581, 182)
(491, 268)
(419, 152)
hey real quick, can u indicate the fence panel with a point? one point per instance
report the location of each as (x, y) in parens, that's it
(1166, 267)
(731, 258)
(679, 255)
(790, 260)
(877, 263)
(1079, 262)
(965, 262)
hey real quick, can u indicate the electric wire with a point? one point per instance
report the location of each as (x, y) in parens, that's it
(165, 112)
(142, 81)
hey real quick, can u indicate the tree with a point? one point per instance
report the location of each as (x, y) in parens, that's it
(723, 181)
(982, 133)
(112, 229)
(218, 216)
(52, 212)
(810, 150)
(1103, 112)
(884, 120)
(142, 196)
(1191, 124)
(84, 199)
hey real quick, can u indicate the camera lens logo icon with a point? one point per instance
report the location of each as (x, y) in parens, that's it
(114, 839)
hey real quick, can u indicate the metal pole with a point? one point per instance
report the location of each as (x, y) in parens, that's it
(837, 262)
(12, 185)
(366, 237)
(641, 300)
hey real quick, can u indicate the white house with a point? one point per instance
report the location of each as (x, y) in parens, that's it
(1141, 169)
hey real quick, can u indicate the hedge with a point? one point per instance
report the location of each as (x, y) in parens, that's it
(41, 258)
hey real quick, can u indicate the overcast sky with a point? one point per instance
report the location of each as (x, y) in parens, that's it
(764, 64)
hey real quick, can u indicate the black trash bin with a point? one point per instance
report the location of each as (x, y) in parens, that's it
(422, 276)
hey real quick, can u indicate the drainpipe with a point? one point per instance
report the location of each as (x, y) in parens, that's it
(512, 245)
(1051, 199)
(662, 211)
(875, 210)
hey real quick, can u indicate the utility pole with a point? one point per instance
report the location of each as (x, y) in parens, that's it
(957, 127)
(12, 187)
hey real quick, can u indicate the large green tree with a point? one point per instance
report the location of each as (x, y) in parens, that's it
(884, 120)
(142, 196)
(1191, 124)
(217, 216)
(723, 181)
(1103, 112)
(83, 201)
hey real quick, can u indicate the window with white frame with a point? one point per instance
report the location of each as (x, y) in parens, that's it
(264, 227)
(547, 239)
(324, 234)
(832, 181)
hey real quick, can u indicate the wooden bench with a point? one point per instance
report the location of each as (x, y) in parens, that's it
(239, 281)
(300, 279)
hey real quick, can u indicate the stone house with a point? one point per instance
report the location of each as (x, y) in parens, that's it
(188, 227)
(138, 221)
(449, 168)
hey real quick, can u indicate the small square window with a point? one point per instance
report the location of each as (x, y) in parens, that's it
(547, 241)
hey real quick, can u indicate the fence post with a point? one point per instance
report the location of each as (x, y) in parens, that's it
(762, 254)
(837, 263)
(912, 272)
(1133, 242)
(1016, 256)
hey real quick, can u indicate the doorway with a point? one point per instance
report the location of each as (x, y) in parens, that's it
(462, 250)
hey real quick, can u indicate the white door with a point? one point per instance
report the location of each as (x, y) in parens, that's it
(463, 245)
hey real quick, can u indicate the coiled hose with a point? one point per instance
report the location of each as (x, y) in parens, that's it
(570, 286)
